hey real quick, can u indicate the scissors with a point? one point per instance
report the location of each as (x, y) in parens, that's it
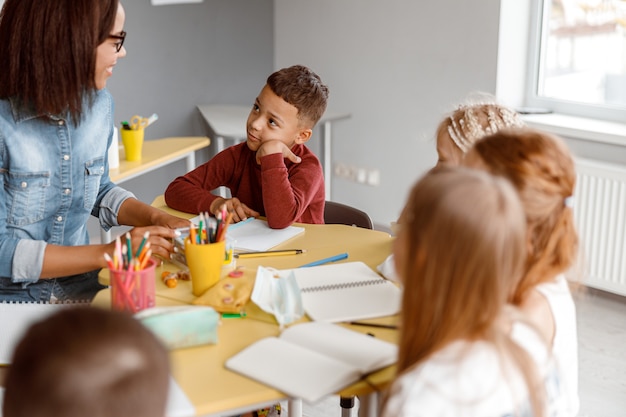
(138, 122)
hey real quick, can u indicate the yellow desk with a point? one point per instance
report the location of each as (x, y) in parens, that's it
(156, 154)
(200, 371)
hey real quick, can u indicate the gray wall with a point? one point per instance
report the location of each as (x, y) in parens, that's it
(218, 51)
(397, 66)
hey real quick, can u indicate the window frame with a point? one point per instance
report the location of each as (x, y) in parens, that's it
(537, 36)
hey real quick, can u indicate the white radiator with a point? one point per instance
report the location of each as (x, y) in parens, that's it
(600, 216)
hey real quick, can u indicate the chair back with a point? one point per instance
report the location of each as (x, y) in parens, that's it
(337, 213)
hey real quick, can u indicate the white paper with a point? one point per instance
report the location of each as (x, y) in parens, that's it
(255, 235)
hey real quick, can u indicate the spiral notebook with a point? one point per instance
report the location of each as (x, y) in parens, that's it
(345, 292)
(16, 319)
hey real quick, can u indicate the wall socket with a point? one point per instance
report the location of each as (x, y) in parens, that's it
(359, 175)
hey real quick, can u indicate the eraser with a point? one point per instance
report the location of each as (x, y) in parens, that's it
(181, 327)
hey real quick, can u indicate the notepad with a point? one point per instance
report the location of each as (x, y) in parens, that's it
(312, 360)
(256, 235)
(345, 292)
(16, 319)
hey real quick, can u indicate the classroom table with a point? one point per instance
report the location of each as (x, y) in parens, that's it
(200, 371)
(157, 153)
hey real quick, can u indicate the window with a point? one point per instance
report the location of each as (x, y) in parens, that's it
(578, 53)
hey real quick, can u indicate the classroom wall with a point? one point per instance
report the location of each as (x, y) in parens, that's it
(397, 66)
(178, 56)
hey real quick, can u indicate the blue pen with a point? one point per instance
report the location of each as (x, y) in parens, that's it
(326, 260)
(233, 226)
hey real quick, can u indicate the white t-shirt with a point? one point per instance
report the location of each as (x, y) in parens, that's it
(565, 344)
(470, 379)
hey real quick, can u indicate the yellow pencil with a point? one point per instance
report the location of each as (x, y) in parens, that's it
(269, 253)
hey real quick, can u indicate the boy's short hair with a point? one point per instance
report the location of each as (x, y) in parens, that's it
(303, 89)
(86, 361)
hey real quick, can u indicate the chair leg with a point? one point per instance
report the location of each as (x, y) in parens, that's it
(369, 405)
(347, 404)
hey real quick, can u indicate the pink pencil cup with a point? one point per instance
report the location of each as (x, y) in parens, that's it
(133, 291)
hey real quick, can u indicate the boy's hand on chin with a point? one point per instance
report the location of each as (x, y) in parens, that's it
(276, 146)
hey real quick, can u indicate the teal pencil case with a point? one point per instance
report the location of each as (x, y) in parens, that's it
(182, 327)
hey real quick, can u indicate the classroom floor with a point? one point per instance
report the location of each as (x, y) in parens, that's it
(602, 359)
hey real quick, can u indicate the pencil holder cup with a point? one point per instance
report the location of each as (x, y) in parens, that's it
(133, 291)
(205, 263)
(133, 143)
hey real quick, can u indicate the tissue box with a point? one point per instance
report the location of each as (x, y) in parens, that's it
(181, 327)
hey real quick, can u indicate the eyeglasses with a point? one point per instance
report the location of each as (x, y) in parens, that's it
(121, 37)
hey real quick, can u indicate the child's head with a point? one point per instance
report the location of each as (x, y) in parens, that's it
(468, 123)
(287, 108)
(458, 265)
(542, 170)
(303, 89)
(85, 361)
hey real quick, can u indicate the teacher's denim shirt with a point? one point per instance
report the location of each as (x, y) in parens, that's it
(54, 175)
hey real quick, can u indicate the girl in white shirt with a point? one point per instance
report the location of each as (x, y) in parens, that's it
(462, 352)
(542, 170)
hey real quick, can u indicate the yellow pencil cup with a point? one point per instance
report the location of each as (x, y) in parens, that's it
(205, 264)
(133, 143)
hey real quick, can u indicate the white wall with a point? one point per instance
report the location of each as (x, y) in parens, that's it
(397, 66)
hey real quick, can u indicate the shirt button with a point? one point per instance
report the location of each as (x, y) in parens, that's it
(61, 122)
(24, 184)
(66, 157)
(66, 191)
(60, 218)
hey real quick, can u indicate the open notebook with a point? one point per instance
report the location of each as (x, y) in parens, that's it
(312, 360)
(346, 291)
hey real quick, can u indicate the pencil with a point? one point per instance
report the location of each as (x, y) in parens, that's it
(326, 260)
(382, 326)
(141, 245)
(269, 253)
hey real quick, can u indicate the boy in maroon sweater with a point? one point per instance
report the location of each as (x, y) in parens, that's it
(272, 174)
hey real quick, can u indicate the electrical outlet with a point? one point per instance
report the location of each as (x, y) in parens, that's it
(361, 175)
(373, 178)
(357, 174)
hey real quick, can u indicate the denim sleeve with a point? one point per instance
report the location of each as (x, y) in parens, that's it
(110, 205)
(28, 260)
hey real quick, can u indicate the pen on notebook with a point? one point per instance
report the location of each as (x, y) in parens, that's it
(382, 326)
(243, 255)
(326, 260)
(241, 223)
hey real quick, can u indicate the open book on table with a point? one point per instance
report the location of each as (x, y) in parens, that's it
(312, 360)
